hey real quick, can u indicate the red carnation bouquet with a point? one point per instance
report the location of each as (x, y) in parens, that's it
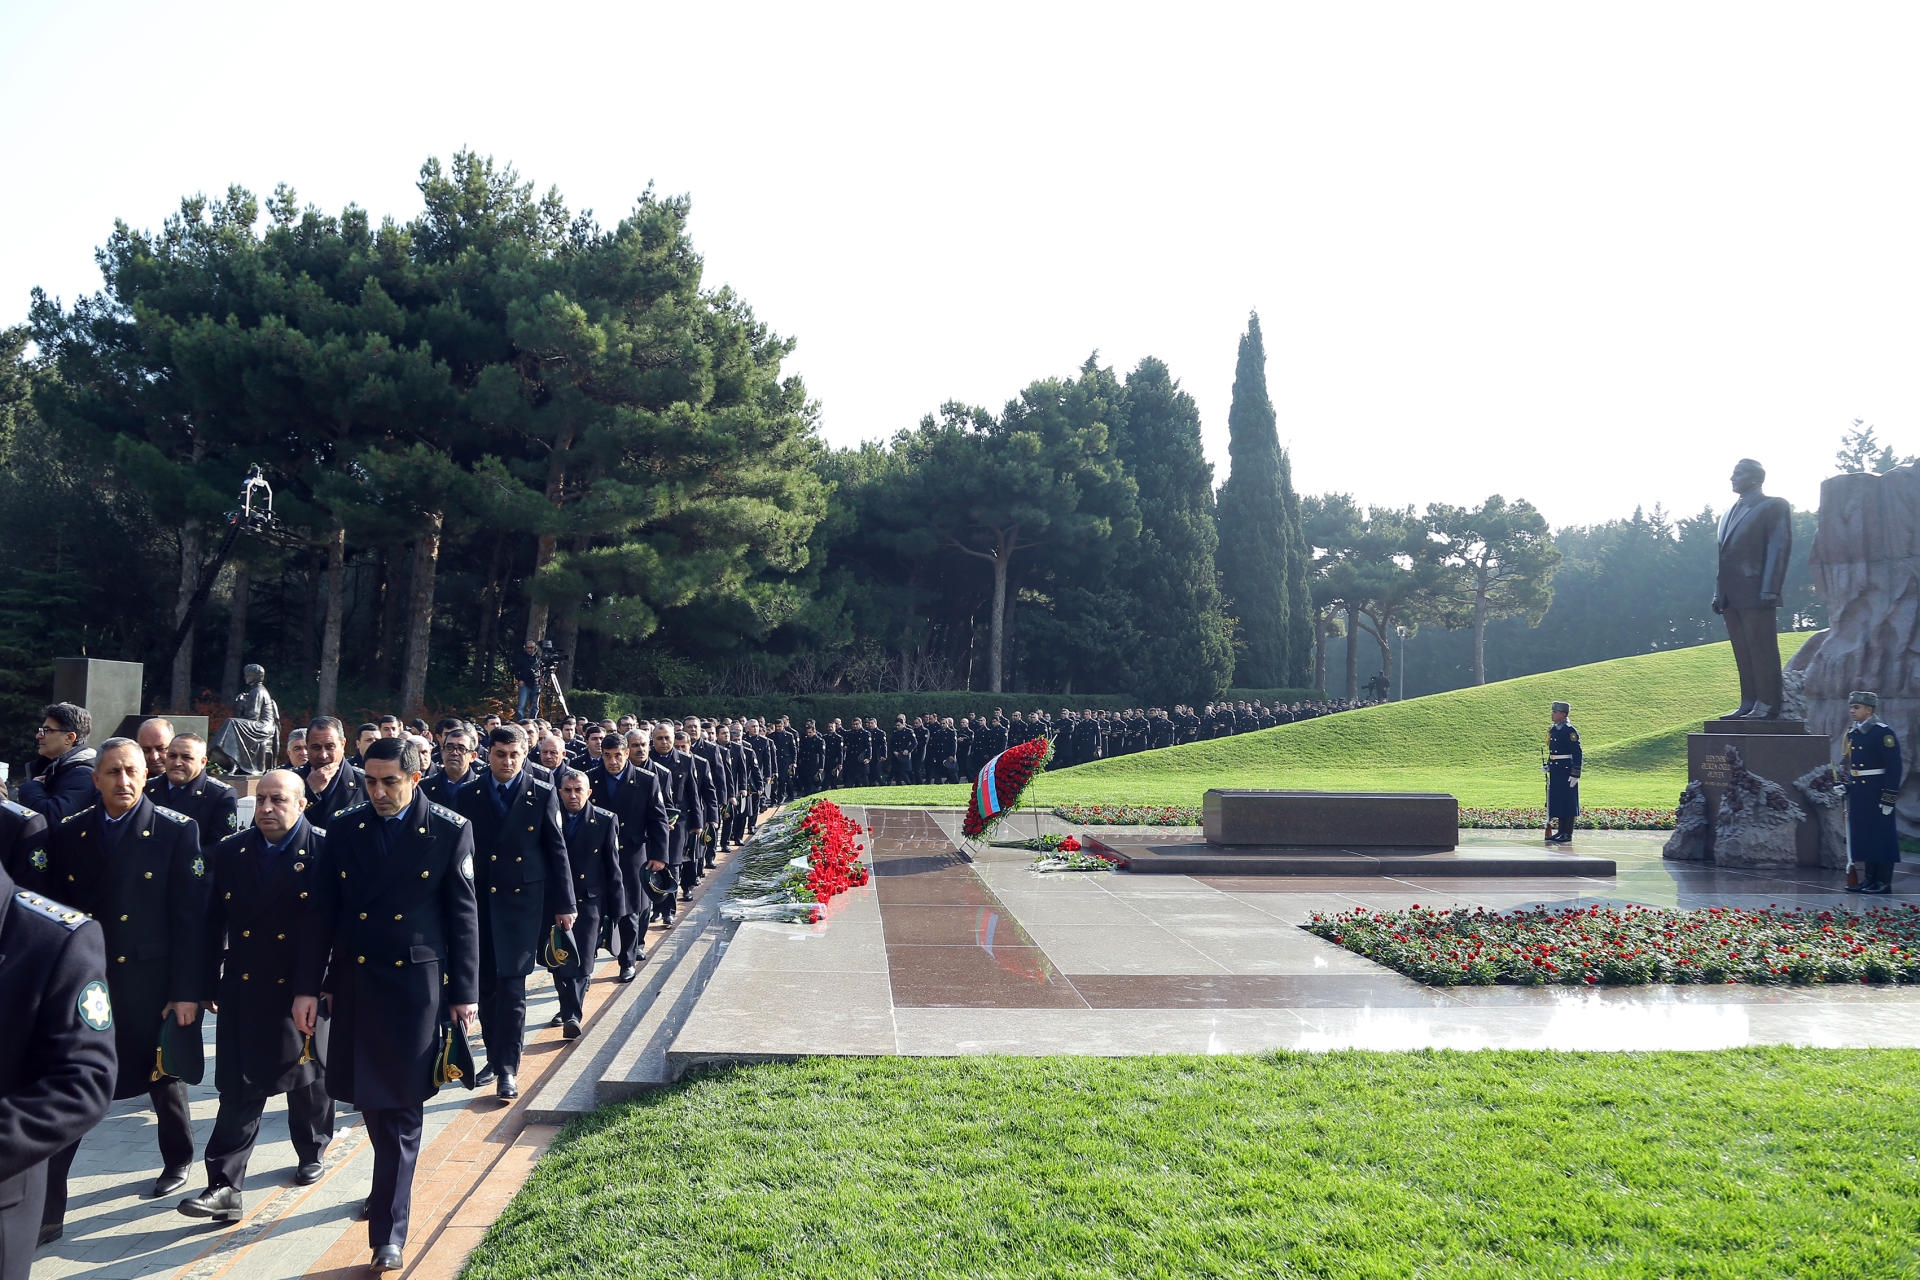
(996, 791)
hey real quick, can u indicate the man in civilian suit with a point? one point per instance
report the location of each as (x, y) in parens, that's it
(523, 884)
(593, 852)
(394, 940)
(1756, 540)
(632, 793)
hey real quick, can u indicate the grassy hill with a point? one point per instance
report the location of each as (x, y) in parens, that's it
(1483, 745)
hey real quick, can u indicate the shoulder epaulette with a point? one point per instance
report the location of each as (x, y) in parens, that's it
(165, 812)
(67, 917)
(605, 813)
(538, 783)
(352, 808)
(216, 784)
(78, 813)
(17, 810)
(446, 813)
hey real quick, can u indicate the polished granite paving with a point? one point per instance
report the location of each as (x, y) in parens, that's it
(940, 954)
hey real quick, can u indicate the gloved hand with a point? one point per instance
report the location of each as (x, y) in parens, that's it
(1574, 781)
(1886, 809)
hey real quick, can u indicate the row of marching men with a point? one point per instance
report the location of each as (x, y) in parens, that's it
(347, 940)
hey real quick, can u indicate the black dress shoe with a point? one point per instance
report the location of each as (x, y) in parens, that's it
(49, 1232)
(556, 1020)
(508, 1086)
(307, 1174)
(386, 1258)
(222, 1204)
(1879, 887)
(686, 895)
(627, 973)
(571, 1030)
(484, 1074)
(366, 1211)
(1857, 888)
(171, 1179)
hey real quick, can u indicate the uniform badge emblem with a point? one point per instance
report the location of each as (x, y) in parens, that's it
(199, 867)
(96, 1009)
(39, 859)
(466, 866)
(1889, 739)
(233, 821)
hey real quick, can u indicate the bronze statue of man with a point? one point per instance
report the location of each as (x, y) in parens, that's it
(1756, 539)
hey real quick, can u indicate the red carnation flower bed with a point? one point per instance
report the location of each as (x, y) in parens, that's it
(832, 851)
(1013, 769)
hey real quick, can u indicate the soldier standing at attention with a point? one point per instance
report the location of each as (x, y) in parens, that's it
(1562, 767)
(1872, 781)
(396, 935)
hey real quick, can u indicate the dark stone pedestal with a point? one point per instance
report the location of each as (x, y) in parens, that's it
(1423, 821)
(110, 691)
(1777, 750)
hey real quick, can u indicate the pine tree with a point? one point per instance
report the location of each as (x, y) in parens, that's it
(1185, 653)
(1300, 612)
(1255, 534)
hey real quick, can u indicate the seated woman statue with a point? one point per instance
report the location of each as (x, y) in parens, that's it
(251, 736)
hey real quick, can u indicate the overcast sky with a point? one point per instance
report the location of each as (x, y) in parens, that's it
(1587, 256)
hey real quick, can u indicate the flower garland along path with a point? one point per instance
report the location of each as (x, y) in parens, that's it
(1130, 815)
(796, 863)
(1597, 945)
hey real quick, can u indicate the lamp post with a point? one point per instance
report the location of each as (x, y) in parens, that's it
(1400, 676)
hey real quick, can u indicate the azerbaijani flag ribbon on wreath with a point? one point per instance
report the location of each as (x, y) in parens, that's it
(997, 787)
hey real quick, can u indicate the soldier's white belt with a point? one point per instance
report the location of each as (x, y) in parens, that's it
(1559, 757)
(1868, 773)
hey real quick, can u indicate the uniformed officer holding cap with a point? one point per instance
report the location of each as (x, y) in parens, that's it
(1562, 767)
(1871, 776)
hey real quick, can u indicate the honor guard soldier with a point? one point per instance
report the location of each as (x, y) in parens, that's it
(1562, 767)
(593, 854)
(524, 886)
(395, 942)
(812, 760)
(265, 882)
(633, 795)
(187, 789)
(57, 1063)
(333, 785)
(1872, 781)
(137, 869)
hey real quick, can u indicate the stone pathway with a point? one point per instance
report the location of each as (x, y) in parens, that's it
(939, 955)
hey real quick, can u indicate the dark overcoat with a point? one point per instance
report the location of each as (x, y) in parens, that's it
(259, 911)
(149, 894)
(520, 869)
(395, 940)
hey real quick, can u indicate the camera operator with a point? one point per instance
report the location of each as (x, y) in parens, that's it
(526, 671)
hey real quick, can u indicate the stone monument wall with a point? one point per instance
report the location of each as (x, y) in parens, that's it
(1866, 568)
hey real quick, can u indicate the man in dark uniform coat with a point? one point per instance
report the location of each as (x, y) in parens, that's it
(593, 854)
(633, 795)
(812, 763)
(1160, 730)
(941, 746)
(138, 870)
(836, 754)
(704, 748)
(59, 781)
(523, 885)
(459, 766)
(395, 940)
(1562, 767)
(876, 753)
(57, 1063)
(23, 837)
(1872, 781)
(746, 769)
(699, 845)
(786, 748)
(188, 789)
(264, 886)
(683, 799)
(333, 785)
(763, 751)
(859, 755)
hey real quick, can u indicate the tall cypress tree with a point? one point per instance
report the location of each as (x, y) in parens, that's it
(1255, 534)
(1299, 589)
(1185, 651)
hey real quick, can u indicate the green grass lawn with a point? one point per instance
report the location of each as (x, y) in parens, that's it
(1772, 1162)
(1483, 745)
